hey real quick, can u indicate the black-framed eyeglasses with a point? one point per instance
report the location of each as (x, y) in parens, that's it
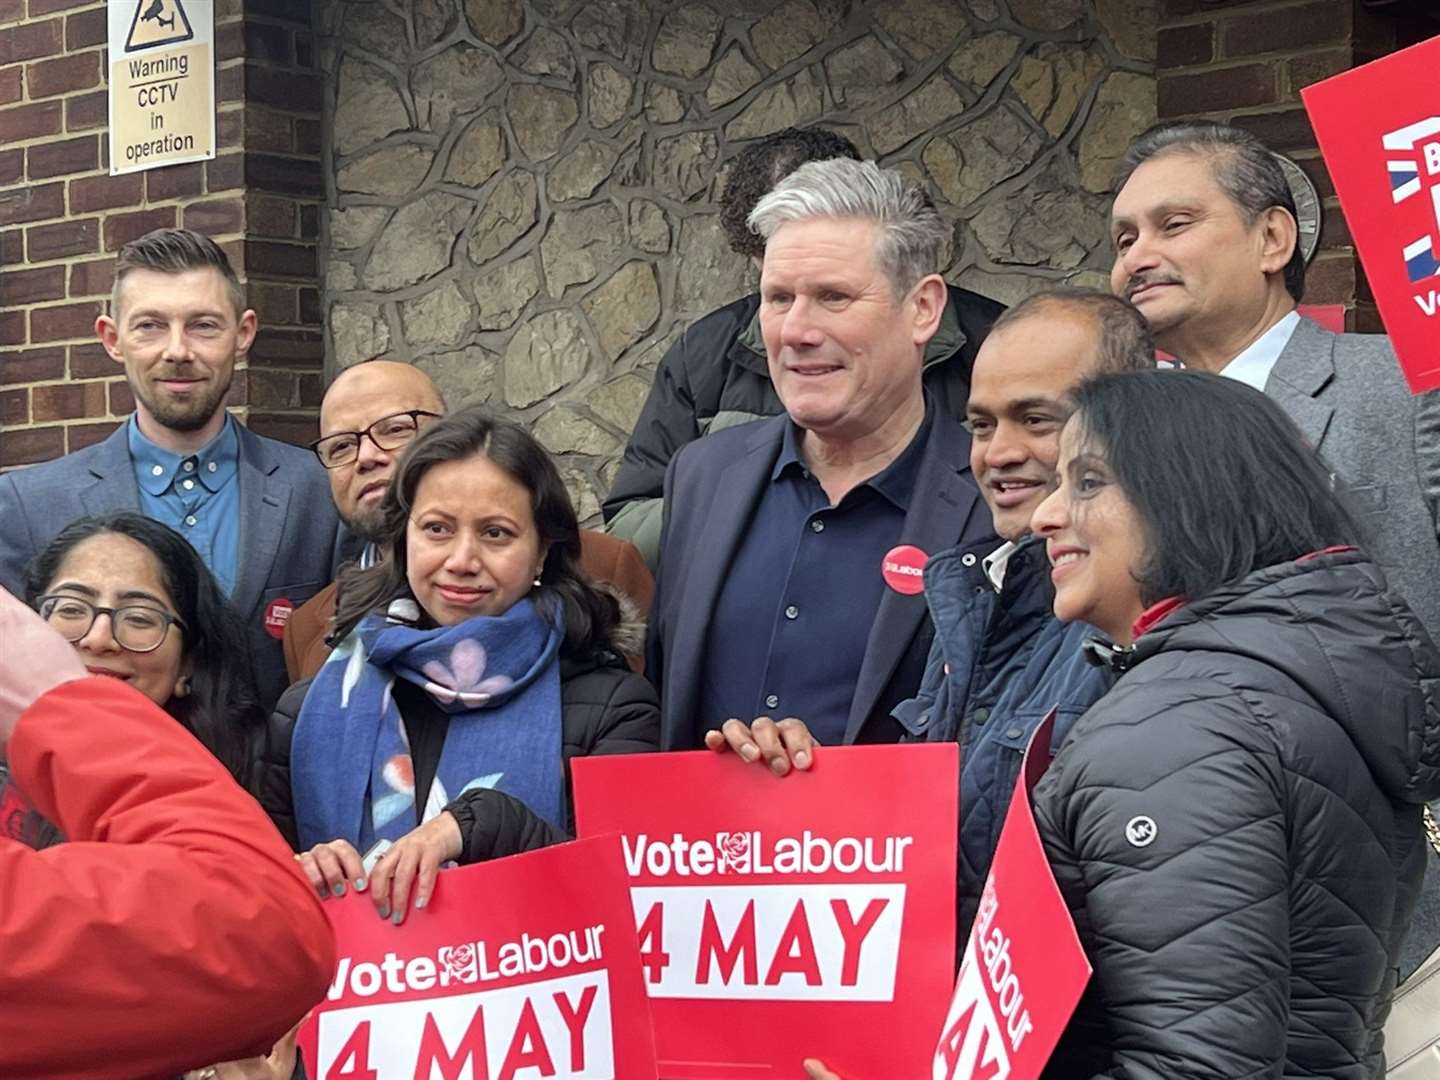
(136, 628)
(388, 433)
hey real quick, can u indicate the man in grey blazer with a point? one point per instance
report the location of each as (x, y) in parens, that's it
(1205, 237)
(258, 511)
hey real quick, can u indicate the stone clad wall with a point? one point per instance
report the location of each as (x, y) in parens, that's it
(523, 193)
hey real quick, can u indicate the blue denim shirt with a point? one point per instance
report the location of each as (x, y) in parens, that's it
(197, 495)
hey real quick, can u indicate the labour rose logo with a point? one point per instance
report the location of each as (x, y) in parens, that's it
(734, 852)
(458, 962)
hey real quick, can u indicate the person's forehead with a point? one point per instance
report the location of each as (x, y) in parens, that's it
(1169, 179)
(201, 288)
(355, 403)
(1048, 352)
(818, 246)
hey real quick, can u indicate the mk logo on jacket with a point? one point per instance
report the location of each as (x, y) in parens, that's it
(1413, 161)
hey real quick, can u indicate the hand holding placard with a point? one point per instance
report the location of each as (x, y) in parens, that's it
(817, 907)
(544, 978)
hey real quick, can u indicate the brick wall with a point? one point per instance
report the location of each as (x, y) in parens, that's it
(63, 217)
(1246, 61)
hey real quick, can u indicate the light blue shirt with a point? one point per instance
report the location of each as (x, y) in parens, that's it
(1253, 366)
(197, 495)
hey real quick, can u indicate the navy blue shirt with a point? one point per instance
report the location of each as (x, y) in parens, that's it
(792, 620)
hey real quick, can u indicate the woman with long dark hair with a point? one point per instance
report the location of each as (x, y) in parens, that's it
(139, 604)
(471, 663)
(1236, 826)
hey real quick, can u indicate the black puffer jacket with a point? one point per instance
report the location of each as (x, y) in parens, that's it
(1281, 735)
(605, 709)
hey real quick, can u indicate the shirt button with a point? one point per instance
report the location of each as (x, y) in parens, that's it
(817, 525)
(188, 484)
(772, 701)
(189, 466)
(968, 559)
(190, 520)
(792, 612)
(981, 715)
(158, 470)
(1014, 733)
(211, 466)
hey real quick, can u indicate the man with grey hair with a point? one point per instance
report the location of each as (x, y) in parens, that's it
(1205, 239)
(791, 547)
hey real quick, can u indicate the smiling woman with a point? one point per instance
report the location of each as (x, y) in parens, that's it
(471, 662)
(138, 604)
(1237, 823)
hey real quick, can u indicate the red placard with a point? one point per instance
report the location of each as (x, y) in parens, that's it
(785, 918)
(518, 968)
(1379, 130)
(1024, 970)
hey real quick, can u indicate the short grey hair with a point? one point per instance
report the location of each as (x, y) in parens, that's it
(911, 231)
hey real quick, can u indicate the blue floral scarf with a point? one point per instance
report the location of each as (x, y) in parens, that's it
(498, 677)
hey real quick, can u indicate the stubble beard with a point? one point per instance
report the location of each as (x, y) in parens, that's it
(180, 415)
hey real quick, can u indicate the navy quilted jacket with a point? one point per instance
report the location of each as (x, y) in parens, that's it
(999, 663)
(1280, 734)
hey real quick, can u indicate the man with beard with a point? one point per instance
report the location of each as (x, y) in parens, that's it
(370, 414)
(255, 509)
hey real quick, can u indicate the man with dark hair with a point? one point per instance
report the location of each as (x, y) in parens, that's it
(257, 510)
(1206, 248)
(716, 376)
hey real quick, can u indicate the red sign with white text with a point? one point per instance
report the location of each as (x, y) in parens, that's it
(811, 915)
(1379, 130)
(1024, 970)
(520, 968)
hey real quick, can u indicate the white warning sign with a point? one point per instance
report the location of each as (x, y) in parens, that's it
(162, 83)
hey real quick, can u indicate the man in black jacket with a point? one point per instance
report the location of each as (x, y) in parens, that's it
(716, 376)
(791, 546)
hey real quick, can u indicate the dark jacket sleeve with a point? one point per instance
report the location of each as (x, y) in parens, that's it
(270, 778)
(611, 711)
(667, 422)
(1188, 931)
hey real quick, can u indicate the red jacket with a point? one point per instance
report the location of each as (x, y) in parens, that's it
(184, 935)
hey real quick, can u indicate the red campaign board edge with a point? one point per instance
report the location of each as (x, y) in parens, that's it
(461, 938)
(902, 798)
(1388, 194)
(1024, 969)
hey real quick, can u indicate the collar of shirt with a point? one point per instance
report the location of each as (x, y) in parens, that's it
(996, 563)
(157, 469)
(896, 481)
(369, 556)
(1253, 366)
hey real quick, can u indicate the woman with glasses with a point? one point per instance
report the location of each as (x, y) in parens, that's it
(473, 661)
(139, 604)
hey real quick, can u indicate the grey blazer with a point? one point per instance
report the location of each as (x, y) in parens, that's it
(1346, 393)
(289, 530)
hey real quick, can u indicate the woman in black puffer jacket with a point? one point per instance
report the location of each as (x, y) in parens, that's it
(1236, 826)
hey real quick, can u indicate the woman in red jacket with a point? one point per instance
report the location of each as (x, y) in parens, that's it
(186, 903)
